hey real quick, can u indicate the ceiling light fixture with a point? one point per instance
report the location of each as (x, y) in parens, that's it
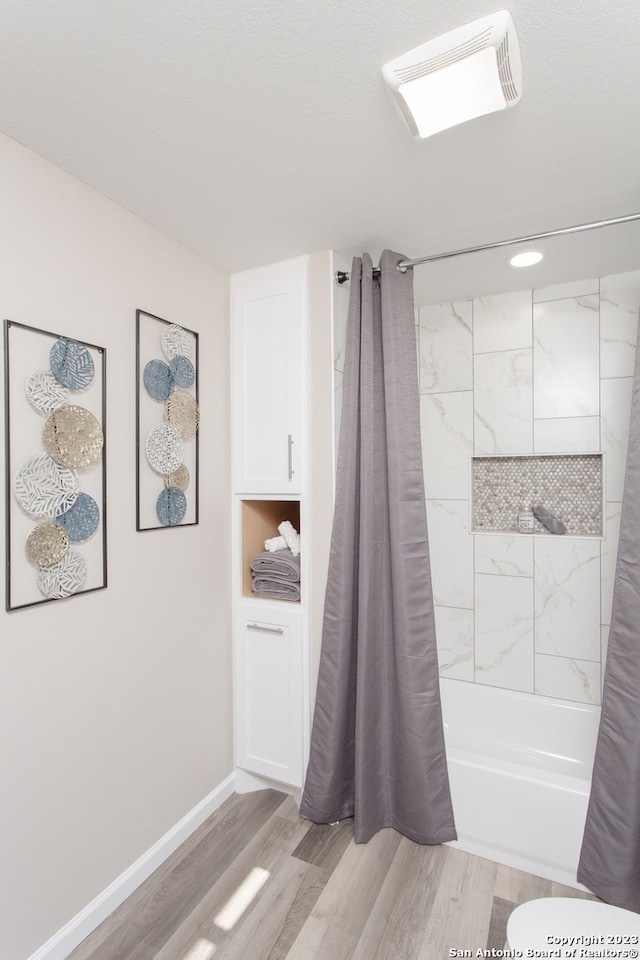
(467, 73)
(528, 258)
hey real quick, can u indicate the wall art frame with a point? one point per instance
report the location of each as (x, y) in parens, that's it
(167, 424)
(55, 466)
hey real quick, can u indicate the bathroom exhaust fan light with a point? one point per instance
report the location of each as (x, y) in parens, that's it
(467, 73)
(528, 258)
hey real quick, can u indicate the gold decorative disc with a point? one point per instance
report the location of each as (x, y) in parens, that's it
(182, 412)
(47, 544)
(72, 436)
(179, 478)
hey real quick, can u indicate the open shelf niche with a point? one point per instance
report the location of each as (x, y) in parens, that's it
(259, 522)
(569, 485)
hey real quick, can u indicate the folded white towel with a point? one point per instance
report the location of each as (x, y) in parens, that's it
(275, 543)
(291, 537)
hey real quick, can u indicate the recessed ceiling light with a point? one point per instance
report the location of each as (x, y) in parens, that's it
(469, 72)
(526, 259)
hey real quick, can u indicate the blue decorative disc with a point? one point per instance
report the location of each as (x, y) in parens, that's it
(171, 506)
(182, 370)
(158, 379)
(82, 519)
(71, 364)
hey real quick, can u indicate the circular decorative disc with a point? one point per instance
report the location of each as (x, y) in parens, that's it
(158, 380)
(72, 436)
(181, 410)
(175, 341)
(171, 506)
(47, 544)
(71, 363)
(82, 519)
(64, 578)
(182, 371)
(179, 478)
(165, 449)
(45, 392)
(43, 488)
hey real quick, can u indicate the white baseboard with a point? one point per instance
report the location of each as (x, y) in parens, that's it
(250, 782)
(60, 945)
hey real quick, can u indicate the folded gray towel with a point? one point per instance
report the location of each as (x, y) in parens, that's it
(281, 564)
(275, 588)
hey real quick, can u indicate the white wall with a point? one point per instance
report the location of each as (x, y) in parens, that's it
(115, 706)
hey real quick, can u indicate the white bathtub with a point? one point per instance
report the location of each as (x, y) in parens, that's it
(519, 768)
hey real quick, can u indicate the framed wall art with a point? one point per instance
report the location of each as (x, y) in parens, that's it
(167, 422)
(55, 462)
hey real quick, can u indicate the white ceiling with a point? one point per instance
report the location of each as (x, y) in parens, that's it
(253, 131)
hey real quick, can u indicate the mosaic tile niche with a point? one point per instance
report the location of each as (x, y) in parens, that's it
(568, 485)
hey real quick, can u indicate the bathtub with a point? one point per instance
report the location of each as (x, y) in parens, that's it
(519, 769)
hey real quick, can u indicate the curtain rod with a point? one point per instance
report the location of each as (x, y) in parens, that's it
(342, 276)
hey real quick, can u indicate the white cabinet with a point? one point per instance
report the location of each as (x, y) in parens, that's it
(268, 691)
(268, 327)
(282, 393)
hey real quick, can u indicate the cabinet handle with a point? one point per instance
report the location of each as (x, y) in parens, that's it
(290, 451)
(257, 626)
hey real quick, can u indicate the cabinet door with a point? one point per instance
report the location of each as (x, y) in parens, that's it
(269, 315)
(268, 692)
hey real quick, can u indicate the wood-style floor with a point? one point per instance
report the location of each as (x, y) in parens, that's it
(258, 882)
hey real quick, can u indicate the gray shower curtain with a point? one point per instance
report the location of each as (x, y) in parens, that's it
(610, 857)
(377, 746)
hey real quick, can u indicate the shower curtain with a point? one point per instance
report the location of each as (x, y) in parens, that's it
(377, 745)
(610, 857)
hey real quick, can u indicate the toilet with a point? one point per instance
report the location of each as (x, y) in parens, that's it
(564, 927)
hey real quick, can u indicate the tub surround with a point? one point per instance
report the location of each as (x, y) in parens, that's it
(535, 372)
(492, 373)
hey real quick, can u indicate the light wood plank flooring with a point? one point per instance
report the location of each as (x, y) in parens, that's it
(258, 882)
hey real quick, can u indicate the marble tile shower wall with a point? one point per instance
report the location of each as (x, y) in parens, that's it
(539, 371)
